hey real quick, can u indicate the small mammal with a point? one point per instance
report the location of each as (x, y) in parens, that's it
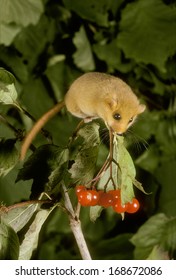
(95, 95)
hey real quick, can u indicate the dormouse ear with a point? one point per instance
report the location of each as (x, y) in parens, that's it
(141, 108)
(112, 102)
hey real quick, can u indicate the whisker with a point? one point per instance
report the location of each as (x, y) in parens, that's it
(104, 135)
(137, 140)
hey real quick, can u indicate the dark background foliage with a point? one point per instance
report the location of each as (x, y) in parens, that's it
(46, 44)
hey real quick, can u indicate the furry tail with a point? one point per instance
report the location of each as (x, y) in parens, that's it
(38, 126)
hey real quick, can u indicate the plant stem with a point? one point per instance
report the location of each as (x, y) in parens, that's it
(75, 225)
(22, 204)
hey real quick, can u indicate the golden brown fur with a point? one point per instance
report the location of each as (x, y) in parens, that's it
(95, 95)
(98, 95)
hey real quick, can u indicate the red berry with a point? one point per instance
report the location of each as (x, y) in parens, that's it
(105, 199)
(133, 206)
(88, 197)
(119, 208)
(80, 188)
(117, 205)
(115, 194)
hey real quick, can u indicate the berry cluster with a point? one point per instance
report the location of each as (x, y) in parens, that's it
(88, 197)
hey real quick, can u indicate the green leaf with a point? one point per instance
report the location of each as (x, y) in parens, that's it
(166, 177)
(127, 171)
(96, 11)
(157, 43)
(13, 17)
(8, 33)
(83, 57)
(109, 53)
(95, 212)
(139, 186)
(159, 230)
(166, 133)
(10, 192)
(6, 78)
(85, 154)
(55, 74)
(169, 238)
(30, 241)
(40, 105)
(9, 242)
(9, 155)
(15, 63)
(149, 160)
(60, 171)
(35, 37)
(8, 93)
(60, 75)
(15, 11)
(158, 254)
(116, 248)
(46, 166)
(151, 232)
(147, 126)
(17, 218)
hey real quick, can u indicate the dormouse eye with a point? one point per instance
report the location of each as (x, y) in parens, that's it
(130, 120)
(117, 116)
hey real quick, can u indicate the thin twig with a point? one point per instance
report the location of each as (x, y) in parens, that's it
(75, 225)
(22, 204)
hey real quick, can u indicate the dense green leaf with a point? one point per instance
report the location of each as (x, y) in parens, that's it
(83, 57)
(47, 44)
(116, 248)
(166, 133)
(15, 63)
(91, 10)
(8, 33)
(35, 37)
(109, 53)
(151, 232)
(169, 238)
(149, 160)
(13, 17)
(60, 75)
(18, 217)
(95, 212)
(145, 34)
(30, 241)
(158, 254)
(16, 11)
(35, 98)
(85, 155)
(159, 230)
(6, 78)
(9, 242)
(8, 93)
(146, 126)
(46, 167)
(127, 171)
(166, 176)
(55, 73)
(9, 155)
